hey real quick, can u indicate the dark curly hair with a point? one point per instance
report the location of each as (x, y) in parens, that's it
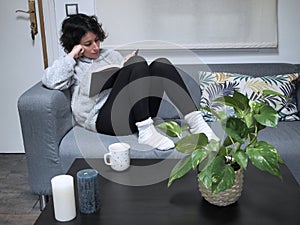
(76, 26)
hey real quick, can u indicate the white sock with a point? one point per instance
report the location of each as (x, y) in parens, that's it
(198, 125)
(150, 136)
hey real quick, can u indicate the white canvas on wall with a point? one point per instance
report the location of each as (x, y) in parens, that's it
(194, 24)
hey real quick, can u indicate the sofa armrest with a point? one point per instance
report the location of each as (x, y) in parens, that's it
(45, 117)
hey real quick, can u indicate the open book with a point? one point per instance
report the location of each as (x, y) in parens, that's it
(100, 76)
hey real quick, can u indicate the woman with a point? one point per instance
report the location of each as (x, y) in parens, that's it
(128, 101)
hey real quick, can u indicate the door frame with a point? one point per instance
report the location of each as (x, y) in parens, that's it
(50, 30)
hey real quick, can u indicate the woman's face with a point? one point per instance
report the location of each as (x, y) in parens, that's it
(91, 45)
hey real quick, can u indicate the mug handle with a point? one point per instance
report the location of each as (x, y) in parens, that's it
(106, 157)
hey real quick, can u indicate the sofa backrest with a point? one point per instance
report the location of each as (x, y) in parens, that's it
(254, 69)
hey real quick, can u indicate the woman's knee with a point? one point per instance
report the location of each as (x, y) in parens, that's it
(135, 59)
(162, 67)
(162, 60)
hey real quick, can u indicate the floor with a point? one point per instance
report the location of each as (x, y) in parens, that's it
(17, 204)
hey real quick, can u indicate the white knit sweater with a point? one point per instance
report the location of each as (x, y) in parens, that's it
(67, 72)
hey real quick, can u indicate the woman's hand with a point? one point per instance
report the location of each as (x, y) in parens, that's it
(76, 52)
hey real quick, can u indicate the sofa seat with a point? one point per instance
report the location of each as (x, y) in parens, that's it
(81, 143)
(286, 139)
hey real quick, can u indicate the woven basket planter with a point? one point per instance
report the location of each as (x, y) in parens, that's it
(226, 197)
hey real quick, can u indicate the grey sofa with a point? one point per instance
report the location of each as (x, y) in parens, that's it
(52, 141)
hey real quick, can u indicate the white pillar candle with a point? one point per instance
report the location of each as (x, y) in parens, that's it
(63, 197)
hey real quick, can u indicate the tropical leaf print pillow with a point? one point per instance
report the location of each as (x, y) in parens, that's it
(218, 84)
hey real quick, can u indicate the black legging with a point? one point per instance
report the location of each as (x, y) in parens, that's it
(137, 91)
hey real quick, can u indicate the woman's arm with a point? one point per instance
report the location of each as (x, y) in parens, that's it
(61, 74)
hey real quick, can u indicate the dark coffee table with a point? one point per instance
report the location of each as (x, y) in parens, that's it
(265, 200)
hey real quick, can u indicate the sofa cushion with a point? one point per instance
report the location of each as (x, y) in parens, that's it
(218, 84)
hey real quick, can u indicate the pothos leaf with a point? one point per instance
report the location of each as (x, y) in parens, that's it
(264, 114)
(236, 128)
(171, 128)
(265, 157)
(180, 169)
(197, 157)
(191, 142)
(217, 175)
(267, 116)
(241, 158)
(271, 92)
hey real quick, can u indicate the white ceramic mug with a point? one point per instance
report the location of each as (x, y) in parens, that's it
(118, 157)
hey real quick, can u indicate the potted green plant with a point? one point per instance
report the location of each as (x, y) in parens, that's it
(218, 163)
